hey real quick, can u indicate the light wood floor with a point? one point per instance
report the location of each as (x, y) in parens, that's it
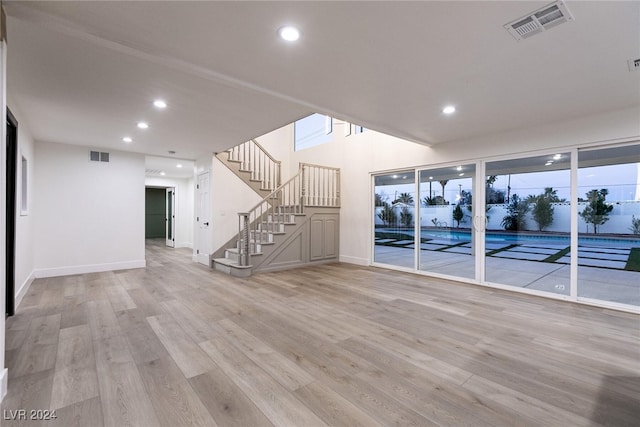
(177, 344)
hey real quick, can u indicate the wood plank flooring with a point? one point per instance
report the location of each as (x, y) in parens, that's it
(176, 344)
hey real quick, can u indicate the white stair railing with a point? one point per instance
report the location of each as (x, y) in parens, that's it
(312, 186)
(255, 159)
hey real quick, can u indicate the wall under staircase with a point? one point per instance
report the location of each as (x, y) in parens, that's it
(295, 224)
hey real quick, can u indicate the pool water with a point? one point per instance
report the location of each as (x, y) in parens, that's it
(524, 238)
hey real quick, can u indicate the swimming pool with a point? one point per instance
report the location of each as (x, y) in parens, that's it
(459, 236)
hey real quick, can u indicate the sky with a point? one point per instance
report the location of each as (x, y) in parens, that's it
(622, 181)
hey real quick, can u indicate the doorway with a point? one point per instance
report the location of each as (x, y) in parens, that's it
(170, 217)
(10, 242)
(160, 214)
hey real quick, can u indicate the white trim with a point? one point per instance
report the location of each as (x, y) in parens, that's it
(4, 376)
(184, 245)
(573, 230)
(354, 260)
(90, 268)
(24, 288)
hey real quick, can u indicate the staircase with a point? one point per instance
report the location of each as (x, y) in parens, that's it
(295, 224)
(254, 165)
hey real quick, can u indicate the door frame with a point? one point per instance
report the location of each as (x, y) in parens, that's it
(170, 216)
(11, 206)
(202, 236)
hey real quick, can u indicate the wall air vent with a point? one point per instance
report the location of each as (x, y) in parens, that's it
(540, 20)
(153, 171)
(97, 156)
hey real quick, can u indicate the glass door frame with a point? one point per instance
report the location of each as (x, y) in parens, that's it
(479, 221)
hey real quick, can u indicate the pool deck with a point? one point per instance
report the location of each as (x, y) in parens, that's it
(539, 265)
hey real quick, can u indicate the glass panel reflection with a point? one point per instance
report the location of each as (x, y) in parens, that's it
(394, 219)
(609, 224)
(446, 238)
(528, 212)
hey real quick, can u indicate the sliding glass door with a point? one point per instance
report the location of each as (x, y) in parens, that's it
(609, 224)
(534, 229)
(394, 219)
(446, 244)
(527, 238)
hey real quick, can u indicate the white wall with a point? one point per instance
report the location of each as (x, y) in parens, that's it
(25, 223)
(279, 144)
(184, 196)
(359, 155)
(230, 195)
(90, 215)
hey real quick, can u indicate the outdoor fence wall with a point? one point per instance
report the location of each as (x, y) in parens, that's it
(442, 216)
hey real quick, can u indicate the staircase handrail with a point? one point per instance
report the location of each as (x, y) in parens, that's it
(266, 152)
(254, 158)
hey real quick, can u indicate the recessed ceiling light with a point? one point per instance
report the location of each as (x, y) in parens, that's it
(159, 103)
(449, 109)
(459, 168)
(549, 163)
(127, 139)
(557, 157)
(395, 177)
(178, 165)
(162, 173)
(143, 125)
(289, 33)
(461, 174)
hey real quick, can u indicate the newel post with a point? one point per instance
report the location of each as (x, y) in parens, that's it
(243, 239)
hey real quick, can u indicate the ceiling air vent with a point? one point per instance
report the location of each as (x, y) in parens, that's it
(541, 20)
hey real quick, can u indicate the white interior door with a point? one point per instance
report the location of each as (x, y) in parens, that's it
(203, 219)
(170, 217)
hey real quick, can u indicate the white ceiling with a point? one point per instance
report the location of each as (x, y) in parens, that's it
(86, 72)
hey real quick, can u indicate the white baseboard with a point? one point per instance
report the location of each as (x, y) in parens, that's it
(184, 245)
(3, 383)
(90, 268)
(24, 288)
(354, 260)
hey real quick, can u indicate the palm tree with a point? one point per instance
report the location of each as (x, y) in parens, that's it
(443, 183)
(405, 199)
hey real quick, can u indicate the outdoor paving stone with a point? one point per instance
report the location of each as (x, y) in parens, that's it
(557, 246)
(534, 250)
(403, 242)
(590, 262)
(431, 247)
(520, 255)
(447, 242)
(601, 263)
(494, 246)
(603, 255)
(603, 250)
(458, 250)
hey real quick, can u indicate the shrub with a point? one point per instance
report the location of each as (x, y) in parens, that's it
(517, 211)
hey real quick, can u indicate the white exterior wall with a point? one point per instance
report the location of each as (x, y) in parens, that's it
(619, 221)
(90, 214)
(185, 204)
